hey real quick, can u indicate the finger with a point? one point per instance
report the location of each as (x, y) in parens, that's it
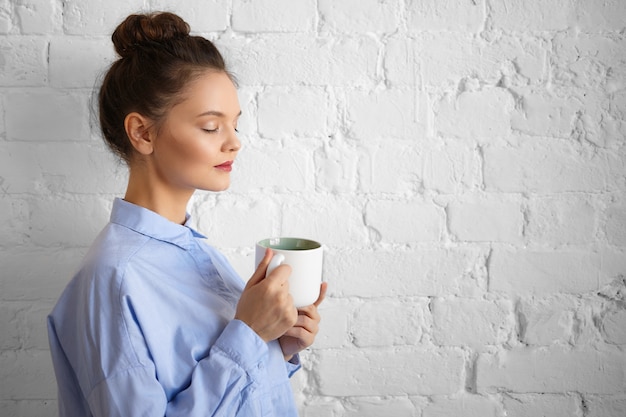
(308, 323)
(280, 275)
(300, 333)
(310, 312)
(259, 274)
(323, 289)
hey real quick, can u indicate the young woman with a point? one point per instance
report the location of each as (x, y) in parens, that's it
(156, 322)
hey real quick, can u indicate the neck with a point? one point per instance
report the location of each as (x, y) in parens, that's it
(145, 190)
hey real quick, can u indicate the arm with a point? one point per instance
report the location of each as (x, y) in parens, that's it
(221, 383)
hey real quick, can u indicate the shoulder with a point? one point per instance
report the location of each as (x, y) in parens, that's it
(113, 249)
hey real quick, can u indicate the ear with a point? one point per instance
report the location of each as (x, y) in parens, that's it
(139, 132)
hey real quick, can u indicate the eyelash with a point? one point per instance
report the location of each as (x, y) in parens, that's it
(216, 130)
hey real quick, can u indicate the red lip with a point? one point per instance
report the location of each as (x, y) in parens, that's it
(226, 166)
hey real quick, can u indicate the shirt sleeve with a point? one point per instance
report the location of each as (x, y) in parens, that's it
(293, 365)
(220, 384)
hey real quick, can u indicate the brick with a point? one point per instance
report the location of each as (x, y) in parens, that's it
(446, 59)
(549, 272)
(30, 408)
(397, 169)
(605, 406)
(465, 405)
(33, 369)
(597, 15)
(60, 116)
(65, 230)
(42, 280)
(274, 16)
(337, 166)
(480, 115)
(467, 322)
(335, 332)
(293, 112)
(385, 114)
(397, 372)
(201, 15)
(614, 327)
(93, 18)
(2, 124)
(546, 115)
(590, 125)
(451, 167)
(550, 218)
(532, 405)
(359, 16)
(424, 272)
(553, 370)
(237, 217)
(318, 220)
(402, 61)
(23, 60)
(445, 16)
(17, 169)
(615, 228)
(350, 61)
(9, 326)
(77, 62)
(24, 325)
(551, 15)
(421, 222)
(6, 20)
(524, 168)
(269, 167)
(390, 322)
(35, 327)
(588, 61)
(247, 124)
(546, 321)
(376, 406)
(485, 219)
(321, 407)
(14, 216)
(603, 122)
(39, 16)
(612, 268)
(44, 168)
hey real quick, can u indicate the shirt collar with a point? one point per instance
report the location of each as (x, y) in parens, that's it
(151, 224)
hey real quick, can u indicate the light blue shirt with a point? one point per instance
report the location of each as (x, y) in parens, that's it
(147, 328)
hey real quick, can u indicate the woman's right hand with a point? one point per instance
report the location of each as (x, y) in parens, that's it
(265, 304)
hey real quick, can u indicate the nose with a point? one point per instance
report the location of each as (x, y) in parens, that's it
(232, 144)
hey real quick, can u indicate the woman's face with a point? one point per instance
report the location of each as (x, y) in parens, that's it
(197, 143)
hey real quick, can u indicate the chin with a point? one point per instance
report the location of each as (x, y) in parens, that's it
(216, 188)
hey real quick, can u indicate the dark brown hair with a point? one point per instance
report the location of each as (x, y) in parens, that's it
(158, 58)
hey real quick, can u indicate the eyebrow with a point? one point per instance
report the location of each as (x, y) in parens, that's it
(216, 113)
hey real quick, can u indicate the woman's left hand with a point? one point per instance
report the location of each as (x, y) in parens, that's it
(303, 333)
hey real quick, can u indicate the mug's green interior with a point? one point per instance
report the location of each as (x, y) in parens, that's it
(289, 243)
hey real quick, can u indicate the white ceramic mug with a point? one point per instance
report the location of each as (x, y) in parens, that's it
(304, 256)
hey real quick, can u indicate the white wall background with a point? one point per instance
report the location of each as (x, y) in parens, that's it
(464, 162)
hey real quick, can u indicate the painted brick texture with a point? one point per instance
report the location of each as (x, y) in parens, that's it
(464, 162)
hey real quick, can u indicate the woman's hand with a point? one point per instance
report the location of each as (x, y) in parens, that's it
(265, 304)
(302, 334)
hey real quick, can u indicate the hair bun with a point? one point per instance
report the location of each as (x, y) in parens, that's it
(143, 29)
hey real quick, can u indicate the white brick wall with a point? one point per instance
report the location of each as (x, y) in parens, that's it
(463, 161)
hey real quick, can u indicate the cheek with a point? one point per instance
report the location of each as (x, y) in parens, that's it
(190, 150)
